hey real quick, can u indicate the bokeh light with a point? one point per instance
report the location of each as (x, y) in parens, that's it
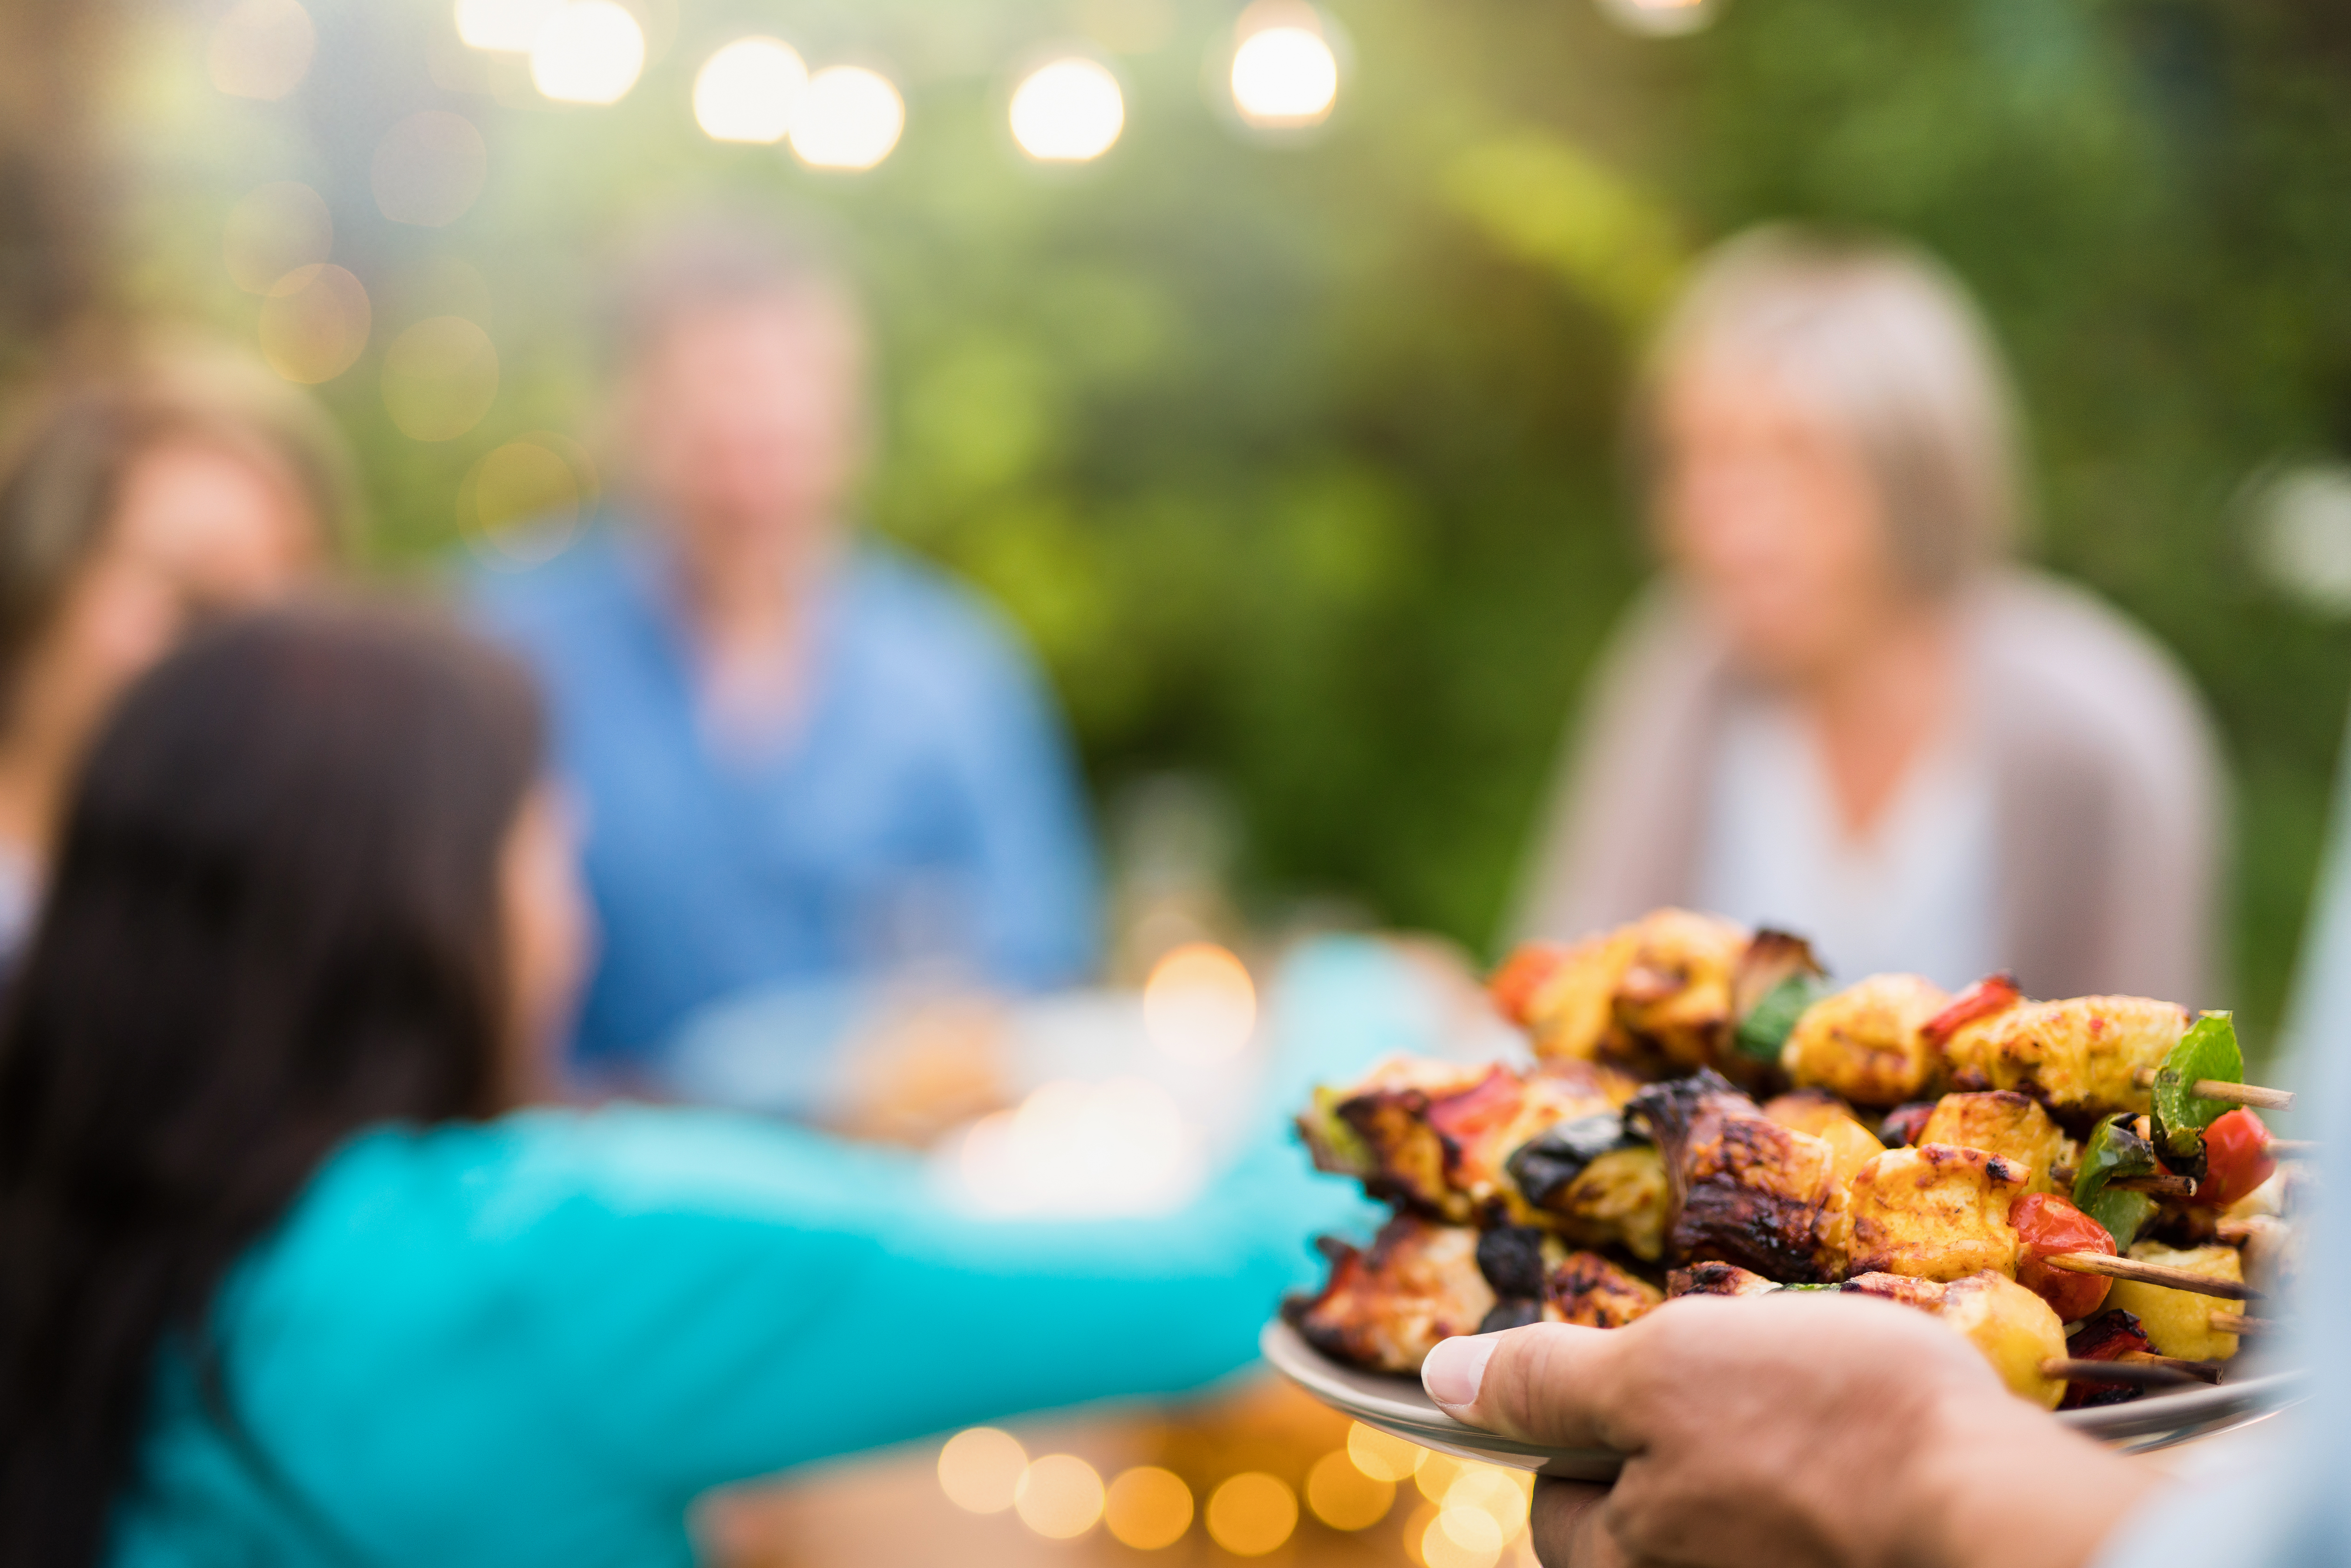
(1068, 112)
(979, 1469)
(1060, 1497)
(440, 377)
(586, 51)
(522, 503)
(314, 324)
(849, 118)
(2301, 540)
(1253, 1513)
(1116, 1147)
(1344, 1497)
(1285, 76)
(261, 48)
(276, 229)
(1382, 1456)
(749, 90)
(504, 26)
(1460, 1538)
(429, 168)
(1436, 1475)
(1199, 1005)
(1148, 1508)
(1500, 1495)
(1660, 18)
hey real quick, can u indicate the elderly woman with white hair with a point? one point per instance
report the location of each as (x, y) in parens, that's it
(1845, 710)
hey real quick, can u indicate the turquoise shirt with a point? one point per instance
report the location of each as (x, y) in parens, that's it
(535, 1340)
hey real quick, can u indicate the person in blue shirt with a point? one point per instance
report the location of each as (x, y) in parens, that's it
(806, 760)
(292, 1275)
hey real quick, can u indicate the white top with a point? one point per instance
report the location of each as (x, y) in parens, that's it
(1915, 896)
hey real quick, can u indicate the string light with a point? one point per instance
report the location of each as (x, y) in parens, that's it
(1070, 112)
(1660, 18)
(850, 119)
(1285, 76)
(1060, 1497)
(261, 48)
(502, 26)
(586, 51)
(749, 90)
(1253, 1513)
(1148, 1508)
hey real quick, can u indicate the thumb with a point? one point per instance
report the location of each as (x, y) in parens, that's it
(1545, 1382)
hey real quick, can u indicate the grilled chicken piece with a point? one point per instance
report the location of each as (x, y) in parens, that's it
(1378, 1131)
(1438, 1136)
(1716, 1279)
(1825, 1116)
(1653, 995)
(1588, 1288)
(1386, 1306)
(2180, 1323)
(2014, 1328)
(2079, 1058)
(1933, 1212)
(1565, 998)
(1484, 1127)
(1867, 1042)
(1674, 997)
(2002, 1122)
(1744, 1189)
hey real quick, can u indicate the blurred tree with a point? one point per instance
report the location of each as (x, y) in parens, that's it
(53, 54)
(1298, 461)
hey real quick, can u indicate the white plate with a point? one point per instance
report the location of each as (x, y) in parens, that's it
(1398, 1405)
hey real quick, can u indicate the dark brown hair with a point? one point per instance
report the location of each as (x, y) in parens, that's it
(274, 921)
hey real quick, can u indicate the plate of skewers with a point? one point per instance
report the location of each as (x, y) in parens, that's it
(2082, 1188)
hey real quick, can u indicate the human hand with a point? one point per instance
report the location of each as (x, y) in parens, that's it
(1799, 1430)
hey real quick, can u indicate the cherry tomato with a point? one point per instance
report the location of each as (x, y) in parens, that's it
(2046, 1225)
(2237, 1158)
(1522, 974)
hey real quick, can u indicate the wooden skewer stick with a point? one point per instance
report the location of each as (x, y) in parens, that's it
(2151, 1274)
(2294, 1145)
(2151, 1374)
(2201, 1371)
(2234, 1094)
(2237, 1322)
(2162, 1186)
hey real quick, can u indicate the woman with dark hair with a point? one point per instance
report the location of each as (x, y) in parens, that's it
(290, 1278)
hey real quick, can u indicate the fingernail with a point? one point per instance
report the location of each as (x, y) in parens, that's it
(1455, 1368)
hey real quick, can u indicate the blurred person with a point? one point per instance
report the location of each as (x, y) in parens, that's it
(134, 505)
(807, 762)
(293, 1275)
(1845, 711)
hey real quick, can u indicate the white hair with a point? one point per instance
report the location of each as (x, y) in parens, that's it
(1883, 345)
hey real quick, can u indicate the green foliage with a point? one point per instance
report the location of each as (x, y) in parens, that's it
(1299, 463)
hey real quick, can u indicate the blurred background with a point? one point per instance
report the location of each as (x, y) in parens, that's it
(1268, 367)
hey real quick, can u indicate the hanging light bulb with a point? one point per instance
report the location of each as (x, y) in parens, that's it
(850, 119)
(586, 51)
(1070, 112)
(1281, 66)
(749, 90)
(1661, 18)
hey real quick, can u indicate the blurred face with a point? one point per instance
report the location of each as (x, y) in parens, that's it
(198, 531)
(1773, 519)
(748, 422)
(548, 936)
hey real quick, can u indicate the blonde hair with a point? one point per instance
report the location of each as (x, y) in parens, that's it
(1885, 346)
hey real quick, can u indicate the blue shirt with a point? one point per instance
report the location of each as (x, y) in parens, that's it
(535, 1340)
(927, 809)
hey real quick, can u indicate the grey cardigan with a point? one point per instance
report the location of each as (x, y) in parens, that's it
(2109, 799)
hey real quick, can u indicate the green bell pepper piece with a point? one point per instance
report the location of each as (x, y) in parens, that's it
(2115, 1149)
(1768, 1024)
(2209, 1049)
